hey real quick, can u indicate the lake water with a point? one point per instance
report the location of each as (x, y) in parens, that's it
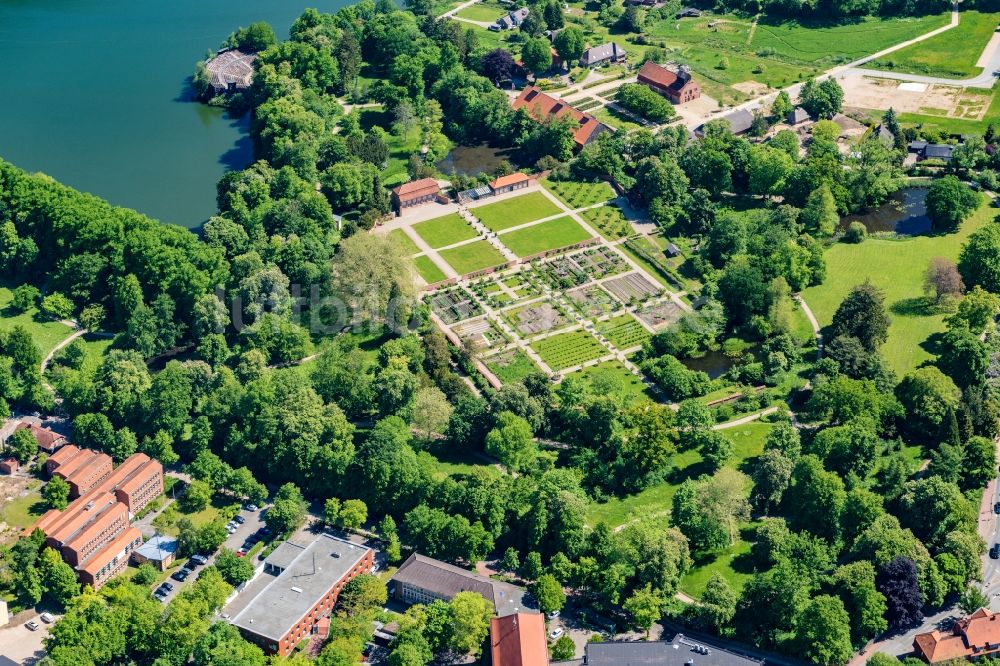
(904, 213)
(95, 94)
(712, 363)
(474, 160)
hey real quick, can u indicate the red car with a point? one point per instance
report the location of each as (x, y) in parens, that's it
(241, 553)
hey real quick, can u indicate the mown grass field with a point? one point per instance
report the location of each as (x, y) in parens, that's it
(568, 349)
(46, 334)
(577, 194)
(551, 235)
(616, 119)
(483, 11)
(405, 243)
(897, 267)
(472, 257)
(512, 368)
(624, 331)
(613, 378)
(951, 54)
(442, 465)
(513, 212)
(446, 230)
(428, 270)
(608, 220)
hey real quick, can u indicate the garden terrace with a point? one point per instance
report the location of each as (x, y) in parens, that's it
(511, 365)
(556, 234)
(535, 318)
(443, 231)
(515, 211)
(623, 331)
(454, 304)
(592, 301)
(632, 287)
(472, 257)
(566, 350)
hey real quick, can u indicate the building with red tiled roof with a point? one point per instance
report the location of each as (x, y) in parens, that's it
(415, 193)
(676, 85)
(973, 636)
(84, 471)
(541, 106)
(509, 183)
(60, 457)
(9, 466)
(47, 440)
(519, 640)
(112, 560)
(141, 487)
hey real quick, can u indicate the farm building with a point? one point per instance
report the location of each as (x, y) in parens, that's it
(674, 84)
(605, 53)
(230, 71)
(540, 105)
(509, 183)
(796, 116)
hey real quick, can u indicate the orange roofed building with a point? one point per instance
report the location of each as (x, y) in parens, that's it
(541, 106)
(48, 441)
(415, 193)
(973, 636)
(519, 640)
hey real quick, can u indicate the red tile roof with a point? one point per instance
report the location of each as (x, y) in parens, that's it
(970, 636)
(112, 550)
(519, 640)
(540, 105)
(512, 179)
(656, 75)
(416, 189)
(45, 437)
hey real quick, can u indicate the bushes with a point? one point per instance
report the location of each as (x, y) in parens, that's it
(644, 102)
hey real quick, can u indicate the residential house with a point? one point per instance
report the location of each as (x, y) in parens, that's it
(603, 54)
(48, 440)
(512, 20)
(739, 122)
(936, 151)
(230, 71)
(975, 636)
(519, 640)
(306, 579)
(509, 183)
(675, 84)
(160, 551)
(415, 193)
(421, 580)
(796, 116)
(678, 651)
(540, 106)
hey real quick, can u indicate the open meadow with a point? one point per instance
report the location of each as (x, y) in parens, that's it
(952, 54)
(515, 211)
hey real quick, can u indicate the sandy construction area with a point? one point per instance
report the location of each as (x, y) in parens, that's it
(930, 99)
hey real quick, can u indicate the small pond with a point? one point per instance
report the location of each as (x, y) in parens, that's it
(474, 160)
(904, 213)
(712, 363)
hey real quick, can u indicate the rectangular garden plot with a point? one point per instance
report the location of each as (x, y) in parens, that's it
(523, 284)
(568, 349)
(473, 257)
(511, 365)
(623, 331)
(482, 332)
(631, 288)
(577, 194)
(564, 273)
(447, 230)
(455, 304)
(599, 262)
(592, 301)
(535, 318)
(513, 212)
(552, 235)
(405, 243)
(608, 220)
(659, 314)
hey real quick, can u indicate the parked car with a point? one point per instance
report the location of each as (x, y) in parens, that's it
(556, 633)
(995, 552)
(180, 576)
(31, 624)
(553, 615)
(252, 507)
(47, 618)
(230, 528)
(241, 552)
(166, 586)
(239, 520)
(996, 508)
(199, 559)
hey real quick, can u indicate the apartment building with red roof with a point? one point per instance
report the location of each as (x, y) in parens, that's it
(112, 560)
(84, 471)
(974, 636)
(541, 106)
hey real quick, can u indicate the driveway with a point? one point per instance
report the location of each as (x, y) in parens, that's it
(19, 645)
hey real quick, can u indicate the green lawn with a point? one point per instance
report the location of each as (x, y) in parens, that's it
(473, 256)
(951, 54)
(608, 220)
(552, 235)
(46, 334)
(447, 230)
(428, 270)
(568, 349)
(483, 11)
(897, 267)
(443, 465)
(400, 147)
(624, 331)
(512, 212)
(613, 378)
(511, 367)
(748, 441)
(23, 511)
(731, 563)
(406, 243)
(616, 119)
(577, 194)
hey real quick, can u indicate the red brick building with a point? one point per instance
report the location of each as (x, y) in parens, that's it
(541, 106)
(84, 471)
(48, 440)
(974, 636)
(415, 193)
(112, 560)
(676, 85)
(9, 466)
(306, 579)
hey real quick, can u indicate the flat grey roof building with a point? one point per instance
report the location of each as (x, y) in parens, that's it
(679, 651)
(303, 575)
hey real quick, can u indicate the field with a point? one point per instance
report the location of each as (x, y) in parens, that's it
(958, 125)
(897, 267)
(560, 232)
(442, 231)
(512, 366)
(406, 243)
(483, 11)
(613, 378)
(46, 334)
(951, 54)
(608, 220)
(472, 257)
(624, 331)
(565, 350)
(576, 194)
(513, 212)
(428, 270)
(443, 465)
(616, 119)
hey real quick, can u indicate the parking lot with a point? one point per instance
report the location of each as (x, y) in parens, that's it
(20, 645)
(253, 522)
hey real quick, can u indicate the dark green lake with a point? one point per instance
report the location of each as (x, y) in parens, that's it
(94, 93)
